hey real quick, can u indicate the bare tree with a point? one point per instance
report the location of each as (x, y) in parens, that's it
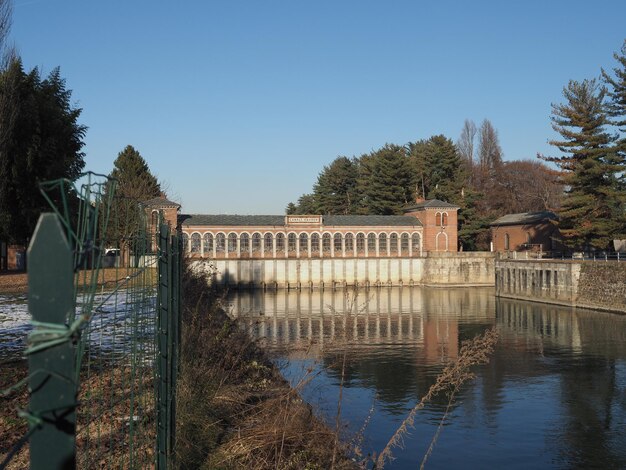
(489, 150)
(465, 144)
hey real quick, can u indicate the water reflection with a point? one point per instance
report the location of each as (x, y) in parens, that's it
(553, 396)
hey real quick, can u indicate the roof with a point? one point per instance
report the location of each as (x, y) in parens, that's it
(431, 204)
(279, 220)
(161, 202)
(524, 218)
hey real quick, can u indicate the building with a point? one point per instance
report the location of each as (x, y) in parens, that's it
(426, 226)
(527, 231)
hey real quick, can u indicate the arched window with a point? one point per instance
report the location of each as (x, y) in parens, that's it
(315, 243)
(444, 219)
(196, 242)
(155, 219)
(404, 244)
(244, 243)
(382, 244)
(280, 241)
(326, 242)
(438, 219)
(371, 244)
(506, 241)
(220, 242)
(185, 242)
(232, 242)
(269, 243)
(208, 244)
(360, 242)
(393, 242)
(337, 243)
(415, 241)
(256, 242)
(291, 242)
(304, 243)
(349, 243)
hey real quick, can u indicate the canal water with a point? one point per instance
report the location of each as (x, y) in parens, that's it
(552, 396)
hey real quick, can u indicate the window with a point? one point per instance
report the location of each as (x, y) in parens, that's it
(185, 242)
(232, 242)
(244, 243)
(315, 243)
(415, 241)
(256, 242)
(371, 244)
(220, 242)
(326, 242)
(360, 242)
(155, 219)
(349, 243)
(280, 242)
(337, 243)
(382, 244)
(304, 243)
(208, 243)
(291, 242)
(404, 244)
(393, 241)
(438, 219)
(444, 219)
(269, 243)
(506, 241)
(196, 242)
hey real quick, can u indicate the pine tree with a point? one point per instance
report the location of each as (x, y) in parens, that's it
(335, 190)
(40, 140)
(593, 208)
(385, 181)
(134, 185)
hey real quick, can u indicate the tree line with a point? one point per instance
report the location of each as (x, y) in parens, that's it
(470, 173)
(585, 186)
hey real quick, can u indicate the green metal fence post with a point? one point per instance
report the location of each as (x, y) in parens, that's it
(164, 304)
(174, 336)
(51, 411)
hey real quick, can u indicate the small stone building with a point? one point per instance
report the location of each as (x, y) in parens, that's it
(526, 231)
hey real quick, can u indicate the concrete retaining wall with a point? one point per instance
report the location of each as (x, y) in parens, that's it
(598, 285)
(461, 269)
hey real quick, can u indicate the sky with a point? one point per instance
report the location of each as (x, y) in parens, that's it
(238, 105)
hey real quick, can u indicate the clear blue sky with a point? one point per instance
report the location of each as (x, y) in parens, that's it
(238, 105)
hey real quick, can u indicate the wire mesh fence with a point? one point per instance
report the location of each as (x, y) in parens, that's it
(104, 292)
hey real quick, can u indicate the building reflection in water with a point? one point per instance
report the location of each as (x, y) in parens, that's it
(557, 372)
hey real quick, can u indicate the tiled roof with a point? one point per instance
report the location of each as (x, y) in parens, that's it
(524, 218)
(279, 220)
(431, 204)
(161, 202)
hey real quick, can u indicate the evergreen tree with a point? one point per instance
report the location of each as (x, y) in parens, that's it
(593, 207)
(40, 140)
(135, 184)
(335, 190)
(616, 93)
(385, 181)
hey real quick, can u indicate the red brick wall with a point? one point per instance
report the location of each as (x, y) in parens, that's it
(432, 231)
(540, 234)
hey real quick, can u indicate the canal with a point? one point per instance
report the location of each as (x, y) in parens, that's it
(552, 396)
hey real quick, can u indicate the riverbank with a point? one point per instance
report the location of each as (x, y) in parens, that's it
(234, 409)
(17, 282)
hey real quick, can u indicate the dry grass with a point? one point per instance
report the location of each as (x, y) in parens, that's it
(103, 420)
(234, 408)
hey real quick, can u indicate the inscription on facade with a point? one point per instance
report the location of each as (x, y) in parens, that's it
(303, 220)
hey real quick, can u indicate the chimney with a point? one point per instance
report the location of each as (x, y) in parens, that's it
(419, 199)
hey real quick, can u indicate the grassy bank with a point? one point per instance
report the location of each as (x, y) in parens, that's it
(234, 409)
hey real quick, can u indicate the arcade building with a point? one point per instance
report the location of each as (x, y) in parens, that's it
(426, 226)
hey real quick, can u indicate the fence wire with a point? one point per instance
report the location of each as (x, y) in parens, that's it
(113, 329)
